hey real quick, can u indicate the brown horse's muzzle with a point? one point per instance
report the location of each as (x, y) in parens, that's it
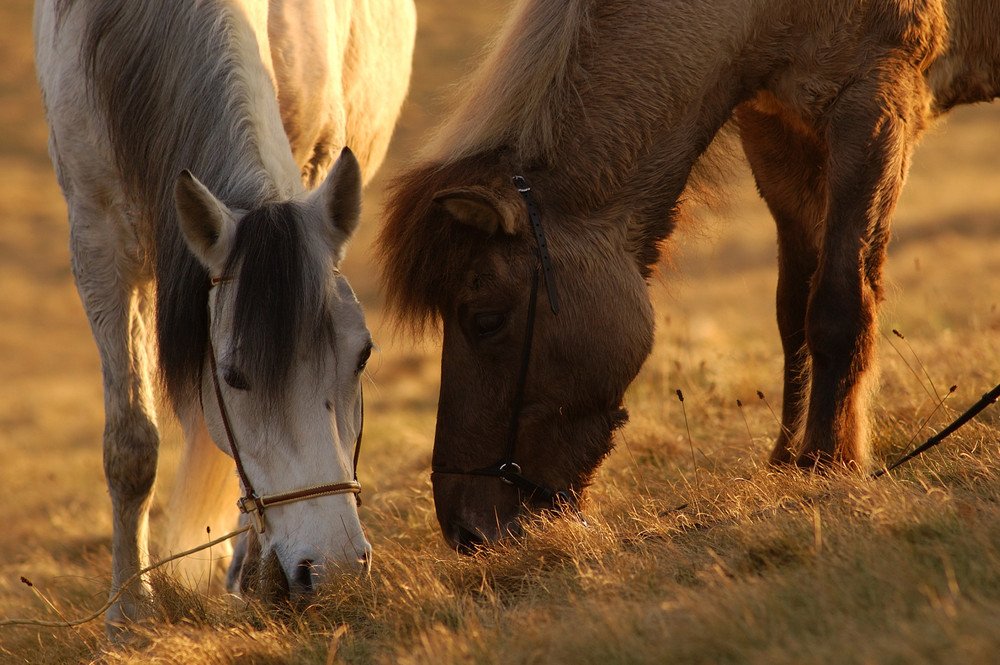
(475, 511)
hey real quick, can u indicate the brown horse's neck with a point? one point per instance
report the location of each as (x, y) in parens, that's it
(607, 133)
(969, 69)
(651, 94)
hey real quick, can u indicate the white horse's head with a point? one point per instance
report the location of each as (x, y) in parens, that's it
(281, 386)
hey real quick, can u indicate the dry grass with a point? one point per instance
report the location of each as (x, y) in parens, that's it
(695, 552)
(757, 567)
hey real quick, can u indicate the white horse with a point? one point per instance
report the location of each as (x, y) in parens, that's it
(184, 135)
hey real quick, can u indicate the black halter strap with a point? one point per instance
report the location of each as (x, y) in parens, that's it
(506, 469)
(542, 244)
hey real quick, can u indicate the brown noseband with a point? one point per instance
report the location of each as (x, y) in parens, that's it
(506, 469)
(252, 504)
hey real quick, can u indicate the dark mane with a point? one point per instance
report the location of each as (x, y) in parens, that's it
(168, 82)
(280, 297)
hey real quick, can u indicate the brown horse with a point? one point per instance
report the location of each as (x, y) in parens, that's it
(604, 107)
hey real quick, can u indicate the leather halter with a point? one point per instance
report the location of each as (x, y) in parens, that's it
(251, 503)
(506, 469)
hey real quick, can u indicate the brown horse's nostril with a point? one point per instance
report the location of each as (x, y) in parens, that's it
(466, 541)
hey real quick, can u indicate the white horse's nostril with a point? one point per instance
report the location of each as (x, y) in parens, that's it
(302, 578)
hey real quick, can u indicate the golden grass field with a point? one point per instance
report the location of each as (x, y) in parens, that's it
(696, 552)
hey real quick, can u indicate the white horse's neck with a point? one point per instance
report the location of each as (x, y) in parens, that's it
(261, 102)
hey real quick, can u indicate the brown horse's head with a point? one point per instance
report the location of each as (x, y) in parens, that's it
(547, 407)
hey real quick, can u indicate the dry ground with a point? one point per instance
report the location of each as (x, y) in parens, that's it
(757, 568)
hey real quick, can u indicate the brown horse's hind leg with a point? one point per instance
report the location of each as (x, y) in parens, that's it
(787, 161)
(870, 135)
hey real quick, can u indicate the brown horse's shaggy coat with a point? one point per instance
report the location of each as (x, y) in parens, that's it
(605, 107)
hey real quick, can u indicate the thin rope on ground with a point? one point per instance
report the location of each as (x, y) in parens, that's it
(987, 399)
(129, 582)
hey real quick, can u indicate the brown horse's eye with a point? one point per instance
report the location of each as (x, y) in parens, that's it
(489, 323)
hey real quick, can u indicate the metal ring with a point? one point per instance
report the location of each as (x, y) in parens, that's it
(515, 468)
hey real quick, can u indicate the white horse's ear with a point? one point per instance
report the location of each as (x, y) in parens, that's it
(339, 198)
(478, 207)
(207, 224)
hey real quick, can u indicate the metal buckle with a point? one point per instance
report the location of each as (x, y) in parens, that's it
(515, 468)
(250, 505)
(521, 184)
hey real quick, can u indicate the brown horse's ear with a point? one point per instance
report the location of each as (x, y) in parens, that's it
(478, 207)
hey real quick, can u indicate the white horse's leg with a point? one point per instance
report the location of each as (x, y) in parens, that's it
(107, 276)
(204, 497)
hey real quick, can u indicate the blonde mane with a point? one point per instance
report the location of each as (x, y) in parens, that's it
(518, 93)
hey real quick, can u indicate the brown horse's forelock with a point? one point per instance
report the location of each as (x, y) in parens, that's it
(280, 302)
(421, 255)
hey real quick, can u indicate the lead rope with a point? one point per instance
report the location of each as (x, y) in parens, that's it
(970, 413)
(121, 590)
(272, 500)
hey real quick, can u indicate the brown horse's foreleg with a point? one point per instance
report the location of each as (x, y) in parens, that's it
(869, 136)
(787, 162)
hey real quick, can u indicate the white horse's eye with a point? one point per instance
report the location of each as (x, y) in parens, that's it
(366, 353)
(236, 379)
